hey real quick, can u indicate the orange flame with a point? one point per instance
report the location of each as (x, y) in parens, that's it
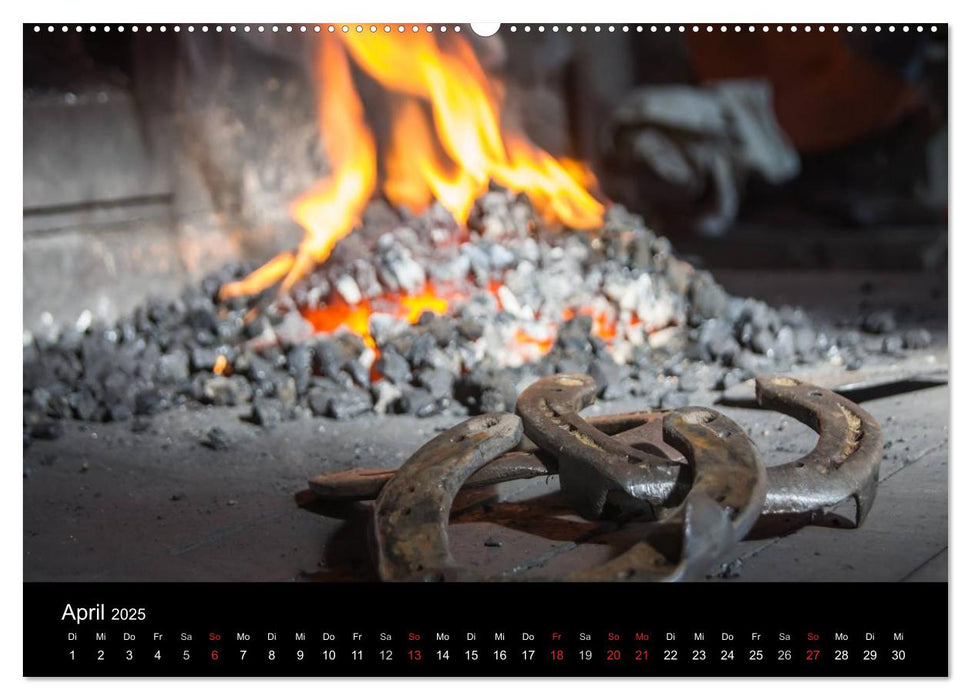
(466, 117)
(332, 207)
(447, 145)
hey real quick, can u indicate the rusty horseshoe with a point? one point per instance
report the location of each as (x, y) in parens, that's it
(411, 512)
(845, 461)
(725, 499)
(595, 468)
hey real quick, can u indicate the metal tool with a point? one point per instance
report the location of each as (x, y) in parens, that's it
(594, 467)
(725, 499)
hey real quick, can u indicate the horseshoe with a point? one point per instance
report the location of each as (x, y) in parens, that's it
(725, 499)
(595, 468)
(844, 463)
(411, 512)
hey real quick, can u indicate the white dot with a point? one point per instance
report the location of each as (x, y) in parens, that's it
(569, 28)
(934, 28)
(121, 29)
(163, 28)
(458, 29)
(822, 28)
(876, 28)
(863, 28)
(541, 28)
(920, 28)
(891, 28)
(513, 29)
(906, 28)
(527, 28)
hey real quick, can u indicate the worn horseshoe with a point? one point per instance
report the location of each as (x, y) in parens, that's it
(411, 512)
(845, 461)
(725, 499)
(527, 461)
(594, 467)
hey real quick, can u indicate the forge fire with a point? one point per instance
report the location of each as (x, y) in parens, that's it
(473, 264)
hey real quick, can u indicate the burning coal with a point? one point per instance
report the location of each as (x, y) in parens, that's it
(451, 157)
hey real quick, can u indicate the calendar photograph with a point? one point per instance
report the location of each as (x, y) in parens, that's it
(315, 308)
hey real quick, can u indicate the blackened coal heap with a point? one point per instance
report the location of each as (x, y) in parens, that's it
(163, 353)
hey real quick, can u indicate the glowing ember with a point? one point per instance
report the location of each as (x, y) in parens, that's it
(220, 365)
(355, 318)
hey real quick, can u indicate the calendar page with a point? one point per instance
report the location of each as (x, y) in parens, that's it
(445, 349)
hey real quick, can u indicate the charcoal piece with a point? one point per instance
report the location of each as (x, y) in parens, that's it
(804, 341)
(216, 439)
(849, 339)
(150, 401)
(267, 413)
(470, 328)
(917, 339)
(707, 298)
(393, 367)
(254, 367)
(571, 364)
(347, 404)
(441, 328)
(300, 366)
(892, 345)
(202, 359)
(384, 394)
(339, 403)
(762, 341)
(575, 334)
(173, 367)
(609, 377)
(879, 322)
(675, 399)
(120, 411)
(784, 346)
(45, 429)
(420, 353)
(85, 406)
(689, 381)
(358, 372)
(494, 401)
(226, 391)
(383, 328)
(285, 389)
(328, 359)
(418, 401)
(731, 377)
(438, 382)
